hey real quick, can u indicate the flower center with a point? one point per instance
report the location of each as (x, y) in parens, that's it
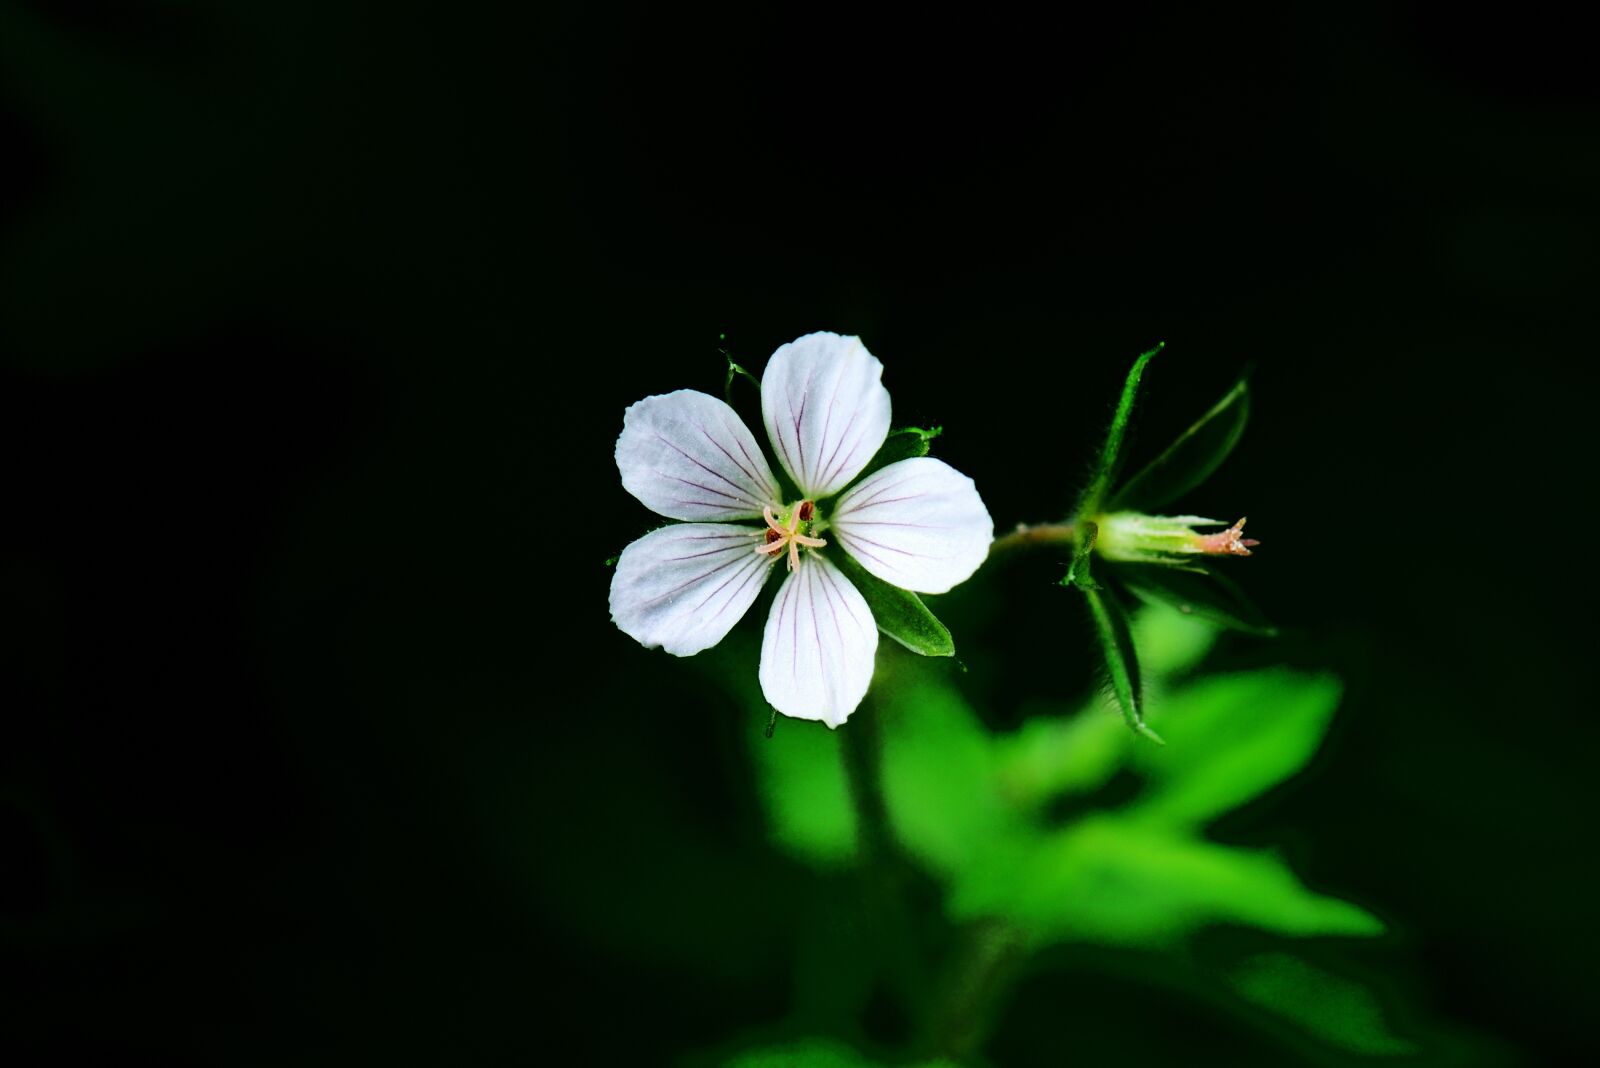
(790, 532)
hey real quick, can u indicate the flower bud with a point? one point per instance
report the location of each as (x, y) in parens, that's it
(1156, 539)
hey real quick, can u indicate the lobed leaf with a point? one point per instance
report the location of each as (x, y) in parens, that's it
(1115, 881)
(1234, 737)
(1190, 459)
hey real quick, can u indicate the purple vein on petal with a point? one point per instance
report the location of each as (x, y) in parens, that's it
(755, 479)
(827, 424)
(829, 591)
(744, 574)
(888, 548)
(852, 523)
(800, 442)
(707, 470)
(877, 491)
(834, 470)
(698, 578)
(766, 484)
(708, 552)
(816, 626)
(708, 489)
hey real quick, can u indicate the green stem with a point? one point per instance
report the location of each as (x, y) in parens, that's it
(982, 971)
(1027, 537)
(884, 872)
(863, 764)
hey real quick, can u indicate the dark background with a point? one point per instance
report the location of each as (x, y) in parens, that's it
(317, 324)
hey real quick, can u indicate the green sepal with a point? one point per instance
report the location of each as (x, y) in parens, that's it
(1191, 459)
(1105, 468)
(905, 444)
(736, 371)
(1122, 662)
(1207, 595)
(899, 613)
(1078, 572)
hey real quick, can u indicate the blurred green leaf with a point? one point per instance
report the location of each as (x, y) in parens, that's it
(1202, 593)
(1105, 469)
(904, 444)
(1111, 880)
(1191, 459)
(1053, 755)
(1122, 661)
(1232, 737)
(814, 1053)
(972, 807)
(898, 613)
(800, 773)
(1170, 642)
(1337, 1010)
(939, 774)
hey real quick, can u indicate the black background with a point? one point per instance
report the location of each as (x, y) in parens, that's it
(318, 322)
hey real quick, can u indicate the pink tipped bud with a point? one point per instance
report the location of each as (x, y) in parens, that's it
(1160, 539)
(1226, 542)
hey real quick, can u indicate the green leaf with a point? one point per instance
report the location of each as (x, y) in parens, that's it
(1122, 661)
(1052, 755)
(1105, 469)
(801, 778)
(815, 1053)
(1083, 552)
(899, 613)
(1233, 738)
(1190, 460)
(938, 769)
(904, 444)
(1202, 593)
(1339, 1011)
(1115, 881)
(1170, 642)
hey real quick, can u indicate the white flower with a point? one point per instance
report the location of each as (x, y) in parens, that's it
(917, 524)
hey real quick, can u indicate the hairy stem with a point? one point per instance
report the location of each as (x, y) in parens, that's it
(1038, 534)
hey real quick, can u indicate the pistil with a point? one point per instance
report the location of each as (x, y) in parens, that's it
(780, 537)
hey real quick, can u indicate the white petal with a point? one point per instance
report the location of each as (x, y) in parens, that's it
(918, 524)
(816, 654)
(826, 410)
(683, 587)
(687, 455)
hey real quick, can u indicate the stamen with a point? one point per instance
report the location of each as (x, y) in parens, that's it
(780, 536)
